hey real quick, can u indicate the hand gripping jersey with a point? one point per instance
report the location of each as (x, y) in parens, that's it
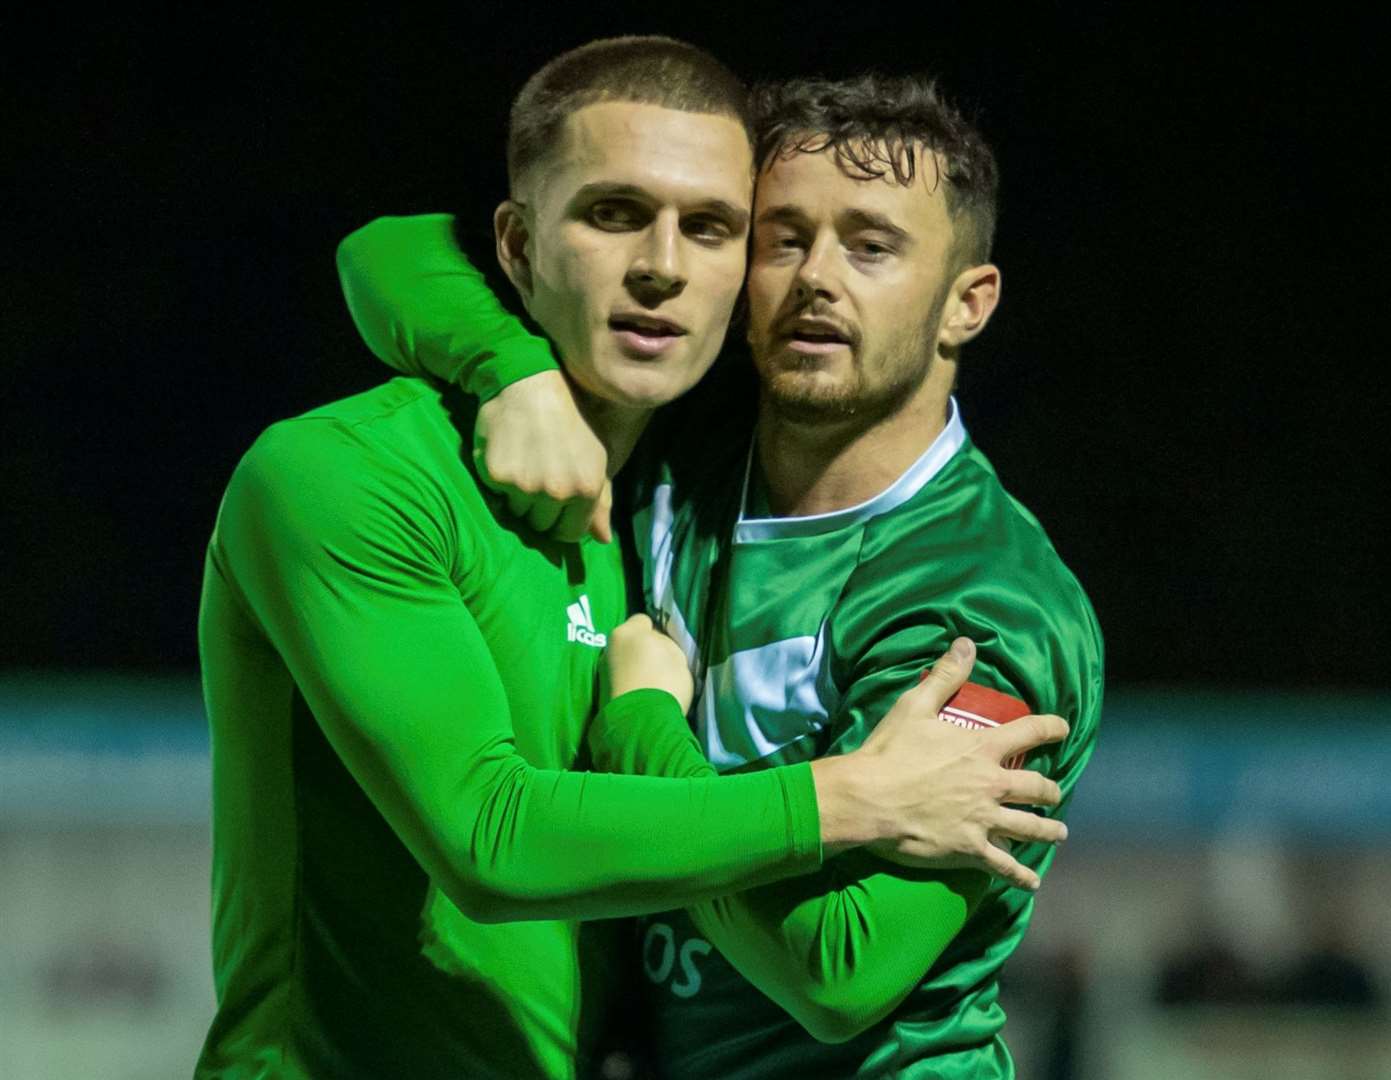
(801, 632)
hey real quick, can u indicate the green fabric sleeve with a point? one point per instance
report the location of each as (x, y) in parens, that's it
(424, 309)
(347, 563)
(1038, 644)
(643, 733)
(838, 949)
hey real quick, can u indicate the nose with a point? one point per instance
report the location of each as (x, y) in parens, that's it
(658, 270)
(816, 277)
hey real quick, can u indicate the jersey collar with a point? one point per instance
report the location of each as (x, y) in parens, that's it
(914, 478)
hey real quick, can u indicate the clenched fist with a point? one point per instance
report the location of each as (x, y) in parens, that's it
(641, 657)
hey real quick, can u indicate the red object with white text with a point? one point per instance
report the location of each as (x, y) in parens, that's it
(978, 707)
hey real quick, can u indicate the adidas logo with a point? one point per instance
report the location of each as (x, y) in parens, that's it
(581, 627)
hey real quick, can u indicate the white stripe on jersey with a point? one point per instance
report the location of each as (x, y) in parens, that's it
(761, 700)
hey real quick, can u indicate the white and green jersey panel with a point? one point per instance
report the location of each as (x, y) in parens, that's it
(802, 632)
(765, 686)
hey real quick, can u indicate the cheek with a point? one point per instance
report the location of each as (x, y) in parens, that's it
(581, 269)
(766, 290)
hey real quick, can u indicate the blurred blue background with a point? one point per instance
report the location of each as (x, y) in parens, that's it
(1219, 911)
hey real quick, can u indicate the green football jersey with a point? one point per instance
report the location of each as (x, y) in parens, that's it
(801, 632)
(398, 679)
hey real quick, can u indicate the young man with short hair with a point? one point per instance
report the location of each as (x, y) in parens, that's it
(398, 678)
(810, 564)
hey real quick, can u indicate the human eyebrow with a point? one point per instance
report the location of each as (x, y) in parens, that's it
(861, 220)
(786, 214)
(603, 189)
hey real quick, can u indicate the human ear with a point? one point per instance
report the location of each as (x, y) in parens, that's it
(970, 303)
(511, 232)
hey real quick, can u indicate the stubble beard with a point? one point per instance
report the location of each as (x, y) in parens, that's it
(798, 397)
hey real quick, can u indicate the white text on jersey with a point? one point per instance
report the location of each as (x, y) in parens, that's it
(581, 625)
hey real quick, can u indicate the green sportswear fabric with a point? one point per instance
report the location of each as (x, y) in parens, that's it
(898, 968)
(398, 680)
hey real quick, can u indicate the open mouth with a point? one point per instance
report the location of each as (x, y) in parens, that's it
(820, 337)
(815, 336)
(643, 337)
(645, 326)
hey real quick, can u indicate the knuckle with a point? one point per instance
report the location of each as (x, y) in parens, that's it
(947, 665)
(497, 470)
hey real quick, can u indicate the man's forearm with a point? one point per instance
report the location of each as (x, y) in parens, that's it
(806, 942)
(423, 308)
(644, 733)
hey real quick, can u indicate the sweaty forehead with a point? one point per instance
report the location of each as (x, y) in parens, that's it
(674, 154)
(815, 186)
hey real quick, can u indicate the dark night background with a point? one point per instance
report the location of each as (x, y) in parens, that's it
(1176, 382)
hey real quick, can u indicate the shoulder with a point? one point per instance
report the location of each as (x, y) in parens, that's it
(964, 535)
(406, 423)
(383, 460)
(963, 557)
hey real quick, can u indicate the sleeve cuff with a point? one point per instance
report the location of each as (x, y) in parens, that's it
(626, 720)
(519, 359)
(803, 815)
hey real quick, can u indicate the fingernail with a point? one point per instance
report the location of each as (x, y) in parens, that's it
(961, 648)
(1064, 835)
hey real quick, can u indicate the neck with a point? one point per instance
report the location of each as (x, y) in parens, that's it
(618, 426)
(821, 467)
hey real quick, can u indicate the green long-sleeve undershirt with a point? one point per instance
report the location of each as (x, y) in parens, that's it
(362, 551)
(397, 692)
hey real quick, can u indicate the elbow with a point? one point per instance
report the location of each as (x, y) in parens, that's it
(347, 257)
(351, 246)
(489, 877)
(478, 906)
(486, 899)
(830, 1026)
(837, 1020)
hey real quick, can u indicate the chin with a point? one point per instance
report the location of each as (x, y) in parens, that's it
(644, 385)
(809, 397)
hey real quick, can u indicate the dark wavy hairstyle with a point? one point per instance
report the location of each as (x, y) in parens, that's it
(876, 124)
(649, 70)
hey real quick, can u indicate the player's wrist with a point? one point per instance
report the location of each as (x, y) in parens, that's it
(848, 815)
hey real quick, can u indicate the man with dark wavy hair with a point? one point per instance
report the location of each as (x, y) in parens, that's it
(812, 543)
(400, 679)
